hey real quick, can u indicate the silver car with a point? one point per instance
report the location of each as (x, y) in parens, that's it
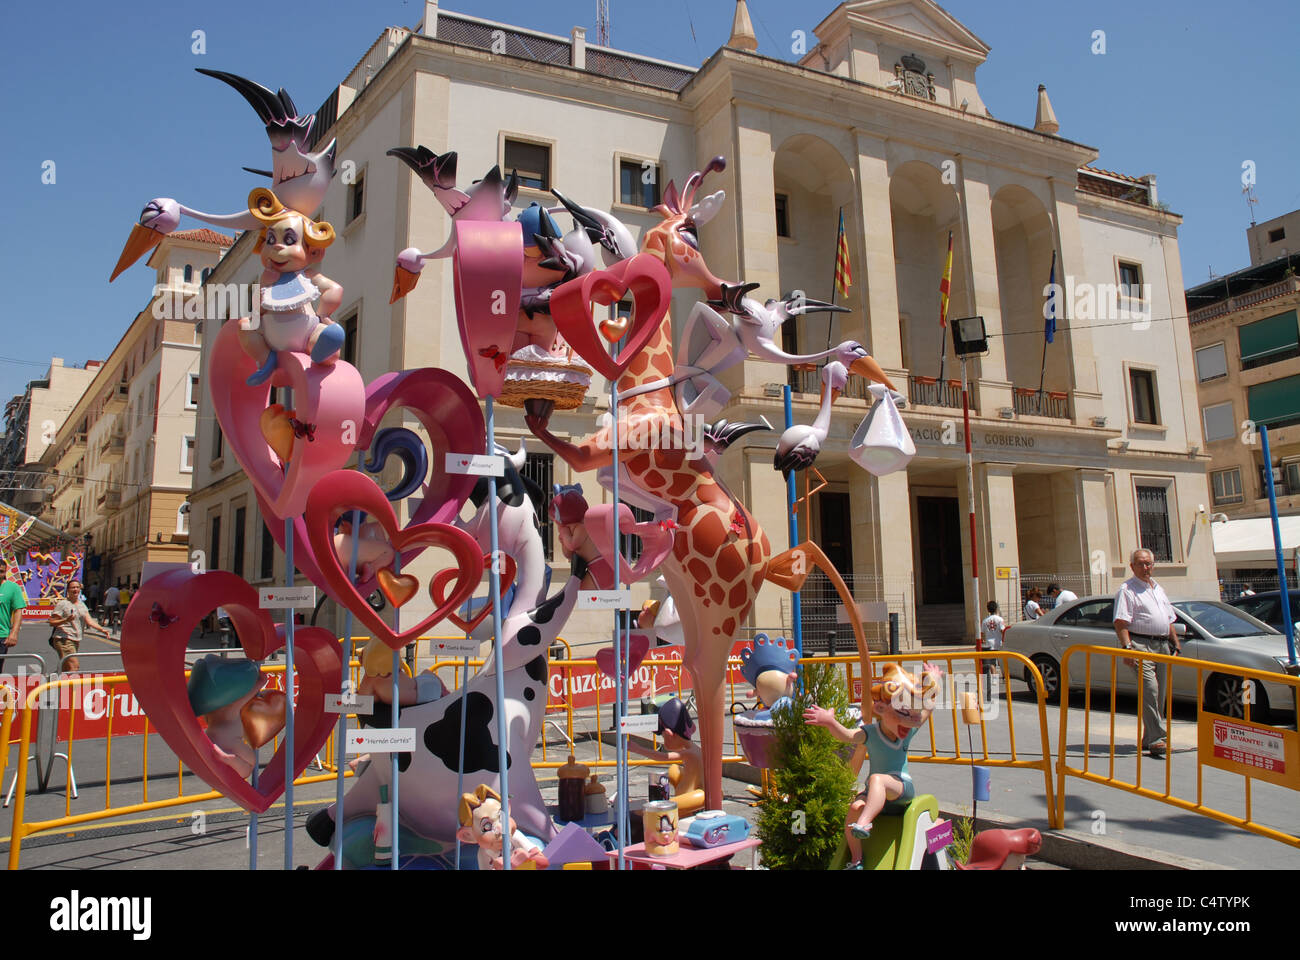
(1210, 630)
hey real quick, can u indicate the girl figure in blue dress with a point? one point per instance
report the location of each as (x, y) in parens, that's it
(900, 709)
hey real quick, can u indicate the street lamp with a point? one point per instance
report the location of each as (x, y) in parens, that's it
(969, 339)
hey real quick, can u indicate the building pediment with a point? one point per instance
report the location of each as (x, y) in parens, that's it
(922, 24)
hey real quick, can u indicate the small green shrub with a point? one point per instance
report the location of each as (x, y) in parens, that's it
(801, 819)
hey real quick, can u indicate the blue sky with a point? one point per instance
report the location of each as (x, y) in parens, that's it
(1186, 90)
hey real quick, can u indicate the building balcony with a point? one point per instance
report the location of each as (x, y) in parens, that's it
(932, 392)
(117, 399)
(113, 500)
(113, 448)
(1035, 403)
(805, 379)
(1252, 298)
(75, 448)
(68, 488)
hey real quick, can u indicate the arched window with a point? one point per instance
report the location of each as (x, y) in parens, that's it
(189, 273)
(203, 277)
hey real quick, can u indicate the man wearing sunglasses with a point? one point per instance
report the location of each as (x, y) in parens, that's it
(69, 619)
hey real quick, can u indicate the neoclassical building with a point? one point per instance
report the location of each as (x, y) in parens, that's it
(882, 121)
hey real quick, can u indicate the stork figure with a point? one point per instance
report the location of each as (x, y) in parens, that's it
(299, 178)
(800, 444)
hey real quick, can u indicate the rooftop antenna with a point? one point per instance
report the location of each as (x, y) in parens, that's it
(602, 23)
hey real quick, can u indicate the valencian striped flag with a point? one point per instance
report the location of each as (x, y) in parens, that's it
(945, 286)
(843, 271)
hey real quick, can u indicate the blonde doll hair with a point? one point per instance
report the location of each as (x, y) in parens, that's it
(894, 681)
(469, 802)
(266, 207)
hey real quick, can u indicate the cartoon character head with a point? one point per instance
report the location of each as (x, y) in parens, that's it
(479, 814)
(898, 700)
(568, 510)
(676, 240)
(675, 721)
(288, 241)
(665, 831)
(770, 666)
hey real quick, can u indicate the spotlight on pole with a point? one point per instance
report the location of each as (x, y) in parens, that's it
(969, 338)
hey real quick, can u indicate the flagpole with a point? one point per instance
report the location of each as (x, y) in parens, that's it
(835, 271)
(1042, 372)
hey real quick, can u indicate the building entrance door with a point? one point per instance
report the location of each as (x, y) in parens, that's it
(941, 610)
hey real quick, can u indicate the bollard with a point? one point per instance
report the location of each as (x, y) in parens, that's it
(830, 643)
(893, 634)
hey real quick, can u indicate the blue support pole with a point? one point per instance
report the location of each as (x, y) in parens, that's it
(1287, 624)
(620, 692)
(796, 607)
(252, 817)
(396, 715)
(341, 736)
(288, 701)
(460, 765)
(494, 580)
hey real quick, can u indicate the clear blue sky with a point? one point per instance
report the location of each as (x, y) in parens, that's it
(1187, 90)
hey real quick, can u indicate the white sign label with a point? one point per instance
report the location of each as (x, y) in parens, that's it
(286, 598)
(401, 740)
(876, 611)
(362, 704)
(455, 646)
(476, 464)
(645, 723)
(620, 599)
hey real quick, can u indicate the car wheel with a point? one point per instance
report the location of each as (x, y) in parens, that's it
(1051, 672)
(1223, 695)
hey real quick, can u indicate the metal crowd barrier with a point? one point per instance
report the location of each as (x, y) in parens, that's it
(1286, 740)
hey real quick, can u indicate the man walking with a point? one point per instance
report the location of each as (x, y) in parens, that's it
(111, 597)
(1061, 597)
(13, 598)
(1144, 621)
(69, 619)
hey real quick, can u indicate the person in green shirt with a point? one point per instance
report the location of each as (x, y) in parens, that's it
(12, 601)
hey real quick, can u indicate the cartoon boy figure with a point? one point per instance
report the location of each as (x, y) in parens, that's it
(770, 667)
(900, 709)
(480, 823)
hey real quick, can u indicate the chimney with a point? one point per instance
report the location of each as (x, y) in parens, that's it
(578, 48)
(431, 18)
(742, 29)
(1045, 121)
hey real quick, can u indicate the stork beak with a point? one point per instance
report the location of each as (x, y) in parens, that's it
(141, 241)
(869, 368)
(404, 282)
(821, 306)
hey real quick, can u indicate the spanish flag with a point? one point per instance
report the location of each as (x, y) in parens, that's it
(843, 272)
(945, 286)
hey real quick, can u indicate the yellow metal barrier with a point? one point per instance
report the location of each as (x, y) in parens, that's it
(948, 696)
(1288, 740)
(6, 721)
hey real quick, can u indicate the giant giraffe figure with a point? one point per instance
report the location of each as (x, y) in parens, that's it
(720, 555)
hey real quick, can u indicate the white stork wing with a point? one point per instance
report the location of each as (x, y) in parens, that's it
(708, 346)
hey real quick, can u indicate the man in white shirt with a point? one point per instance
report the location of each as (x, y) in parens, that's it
(1061, 597)
(1144, 620)
(111, 597)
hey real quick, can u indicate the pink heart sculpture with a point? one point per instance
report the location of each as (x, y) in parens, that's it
(656, 542)
(449, 412)
(488, 271)
(345, 490)
(638, 646)
(329, 399)
(153, 656)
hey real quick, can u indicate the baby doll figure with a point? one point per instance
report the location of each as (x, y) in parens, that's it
(374, 552)
(480, 823)
(219, 690)
(686, 774)
(770, 667)
(291, 248)
(900, 709)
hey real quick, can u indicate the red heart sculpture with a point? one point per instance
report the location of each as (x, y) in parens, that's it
(438, 590)
(487, 277)
(345, 490)
(648, 280)
(453, 420)
(637, 649)
(154, 659)
(330, 398)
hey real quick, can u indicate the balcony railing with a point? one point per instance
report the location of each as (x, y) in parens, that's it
(117, 398)
(805, 378)
(1241, 302)
(113, 448)
(113, 500)
(1033, 403)
(932, 392)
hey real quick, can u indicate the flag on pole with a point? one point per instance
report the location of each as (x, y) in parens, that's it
(1051, 308)
(945, 286)
(843, 271)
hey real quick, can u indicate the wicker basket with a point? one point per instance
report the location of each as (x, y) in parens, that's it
(563, 381)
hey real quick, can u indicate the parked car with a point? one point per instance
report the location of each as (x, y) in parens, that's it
(1267, 606)
(1210, 630)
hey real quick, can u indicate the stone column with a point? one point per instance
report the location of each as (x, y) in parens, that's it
(995, 523)
(1094, 509)
(881, 295)
(992, 390)
(1077, 339)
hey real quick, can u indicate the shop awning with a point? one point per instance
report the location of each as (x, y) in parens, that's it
(1266, 337)
(1243, 542)
(38, 532)
(1274, 402)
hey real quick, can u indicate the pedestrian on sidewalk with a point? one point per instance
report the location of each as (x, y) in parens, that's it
(13, 598)
(69, 619)
(993, 628)
(1061, 597)
(111, 598)
(1033, 609)
(1144, 621)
